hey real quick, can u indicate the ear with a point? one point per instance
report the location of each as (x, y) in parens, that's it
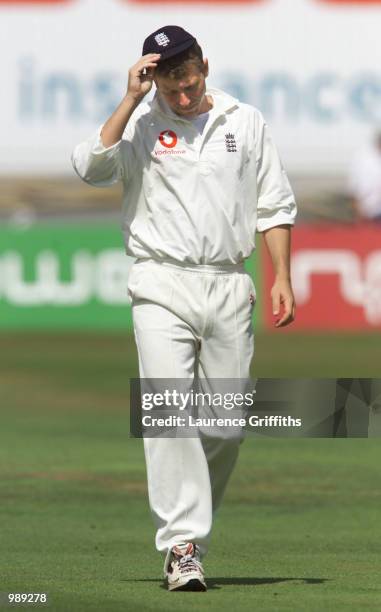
(206, 67)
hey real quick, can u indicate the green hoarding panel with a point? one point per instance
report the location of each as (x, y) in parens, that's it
(64, 276)
(68, 276)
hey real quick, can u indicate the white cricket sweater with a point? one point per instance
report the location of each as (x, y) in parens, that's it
(190, 197)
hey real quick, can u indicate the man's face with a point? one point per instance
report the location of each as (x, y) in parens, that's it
(186, 96)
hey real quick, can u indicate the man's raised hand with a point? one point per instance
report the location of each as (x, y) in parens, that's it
(140, 76)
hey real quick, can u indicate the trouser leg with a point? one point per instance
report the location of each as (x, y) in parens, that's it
(221, 456)
(178, 478)
(226, 353)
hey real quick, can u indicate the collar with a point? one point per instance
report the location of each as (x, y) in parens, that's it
(222, 103)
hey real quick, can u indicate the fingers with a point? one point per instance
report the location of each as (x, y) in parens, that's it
(151, 55)
(275, 302)
(283, 305)
(140, 76)
(147, 61)
(288, 314)
(287, 318)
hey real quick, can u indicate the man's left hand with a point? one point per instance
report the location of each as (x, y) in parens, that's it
(283, 302)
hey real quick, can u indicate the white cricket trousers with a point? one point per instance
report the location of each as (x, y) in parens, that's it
(190, 321)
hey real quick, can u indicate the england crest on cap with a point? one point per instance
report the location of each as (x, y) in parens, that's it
(168, 41)
(162, 39)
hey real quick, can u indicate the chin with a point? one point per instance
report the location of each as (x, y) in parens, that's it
(189, 113)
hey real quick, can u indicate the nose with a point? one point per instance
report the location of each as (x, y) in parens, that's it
(184, 101)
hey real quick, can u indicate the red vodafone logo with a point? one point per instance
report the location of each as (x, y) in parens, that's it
(168, 139)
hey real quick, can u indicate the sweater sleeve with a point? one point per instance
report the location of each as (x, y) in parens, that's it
(276, 201)
(99, 165)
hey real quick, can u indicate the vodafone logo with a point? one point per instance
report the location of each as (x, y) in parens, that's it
(168, 139)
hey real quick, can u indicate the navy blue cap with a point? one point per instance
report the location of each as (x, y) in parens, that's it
(169, 41)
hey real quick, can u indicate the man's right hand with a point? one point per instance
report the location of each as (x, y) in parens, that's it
(139, 85)
(140, 76)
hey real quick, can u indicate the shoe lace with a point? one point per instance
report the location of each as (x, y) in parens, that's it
(187, 562)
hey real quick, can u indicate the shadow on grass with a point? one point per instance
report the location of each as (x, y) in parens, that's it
(216, 583)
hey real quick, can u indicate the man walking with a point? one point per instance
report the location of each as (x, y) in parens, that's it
(201, 175)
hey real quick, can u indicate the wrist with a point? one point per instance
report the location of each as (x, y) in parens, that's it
(132, 99)
(283, 277)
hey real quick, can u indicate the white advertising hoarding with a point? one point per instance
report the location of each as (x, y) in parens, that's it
(311, 66)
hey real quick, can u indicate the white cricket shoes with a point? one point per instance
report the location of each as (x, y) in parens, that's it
(184, 570)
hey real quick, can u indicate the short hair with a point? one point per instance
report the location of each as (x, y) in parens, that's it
(176, 67)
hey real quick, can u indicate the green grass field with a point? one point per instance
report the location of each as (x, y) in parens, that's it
(299, 529)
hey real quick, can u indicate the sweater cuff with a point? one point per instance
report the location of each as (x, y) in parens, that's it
(98, 147)
(279, 217)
